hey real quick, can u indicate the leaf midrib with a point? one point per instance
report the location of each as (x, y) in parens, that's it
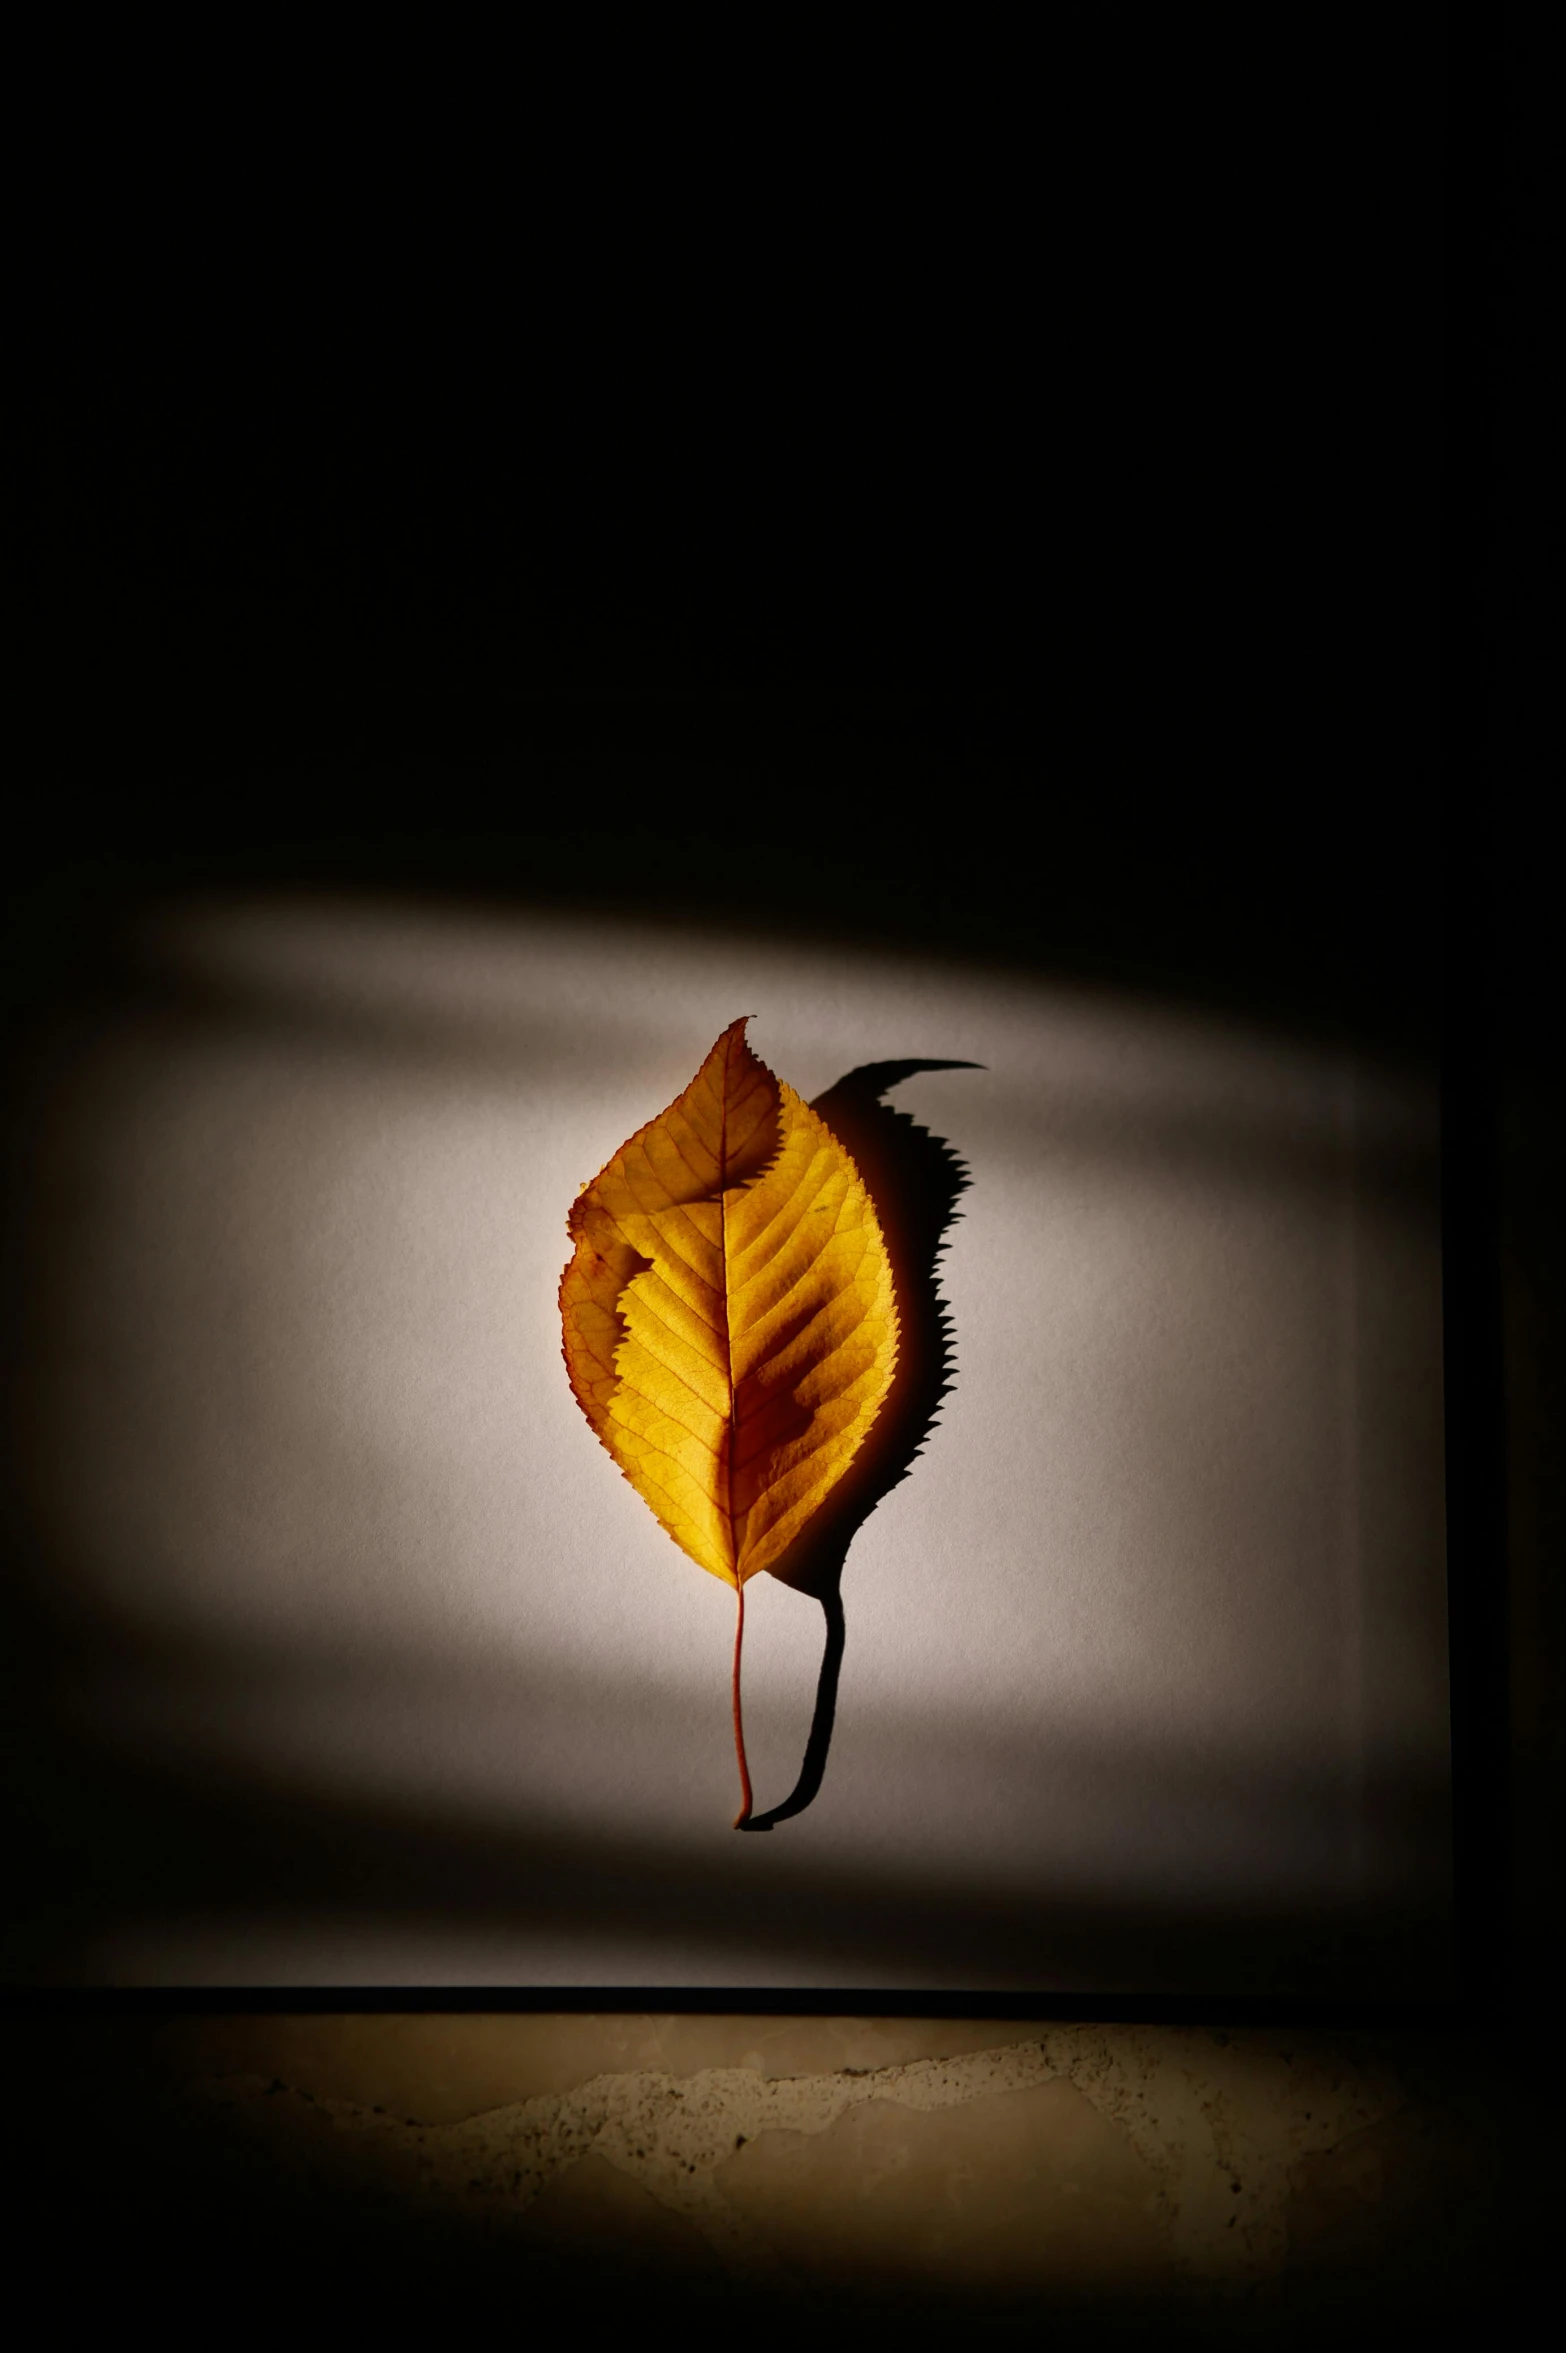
(728, 1310)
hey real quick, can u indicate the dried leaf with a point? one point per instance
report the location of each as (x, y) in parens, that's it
(729, 1320)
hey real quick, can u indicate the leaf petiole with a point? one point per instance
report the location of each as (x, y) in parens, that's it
(743, 1816)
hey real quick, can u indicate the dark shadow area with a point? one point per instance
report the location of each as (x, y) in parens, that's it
(152, 1848)
(331, 567)
(104, 1832)
(915, 1180)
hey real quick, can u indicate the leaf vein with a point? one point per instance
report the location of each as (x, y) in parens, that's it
(660, 1408)
(645, 1307)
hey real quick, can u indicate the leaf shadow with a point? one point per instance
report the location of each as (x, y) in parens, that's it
(915, 1180)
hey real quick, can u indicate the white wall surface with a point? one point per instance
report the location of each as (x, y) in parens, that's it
(1154, 1631)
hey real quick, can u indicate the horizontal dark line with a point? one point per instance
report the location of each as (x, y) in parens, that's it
(1022, 2008)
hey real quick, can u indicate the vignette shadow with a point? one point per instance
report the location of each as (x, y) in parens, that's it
(915, 1180)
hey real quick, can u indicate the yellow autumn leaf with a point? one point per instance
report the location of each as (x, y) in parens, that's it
(729, 1320)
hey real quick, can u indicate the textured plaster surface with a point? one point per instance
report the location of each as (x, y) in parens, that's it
(812, 2153)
